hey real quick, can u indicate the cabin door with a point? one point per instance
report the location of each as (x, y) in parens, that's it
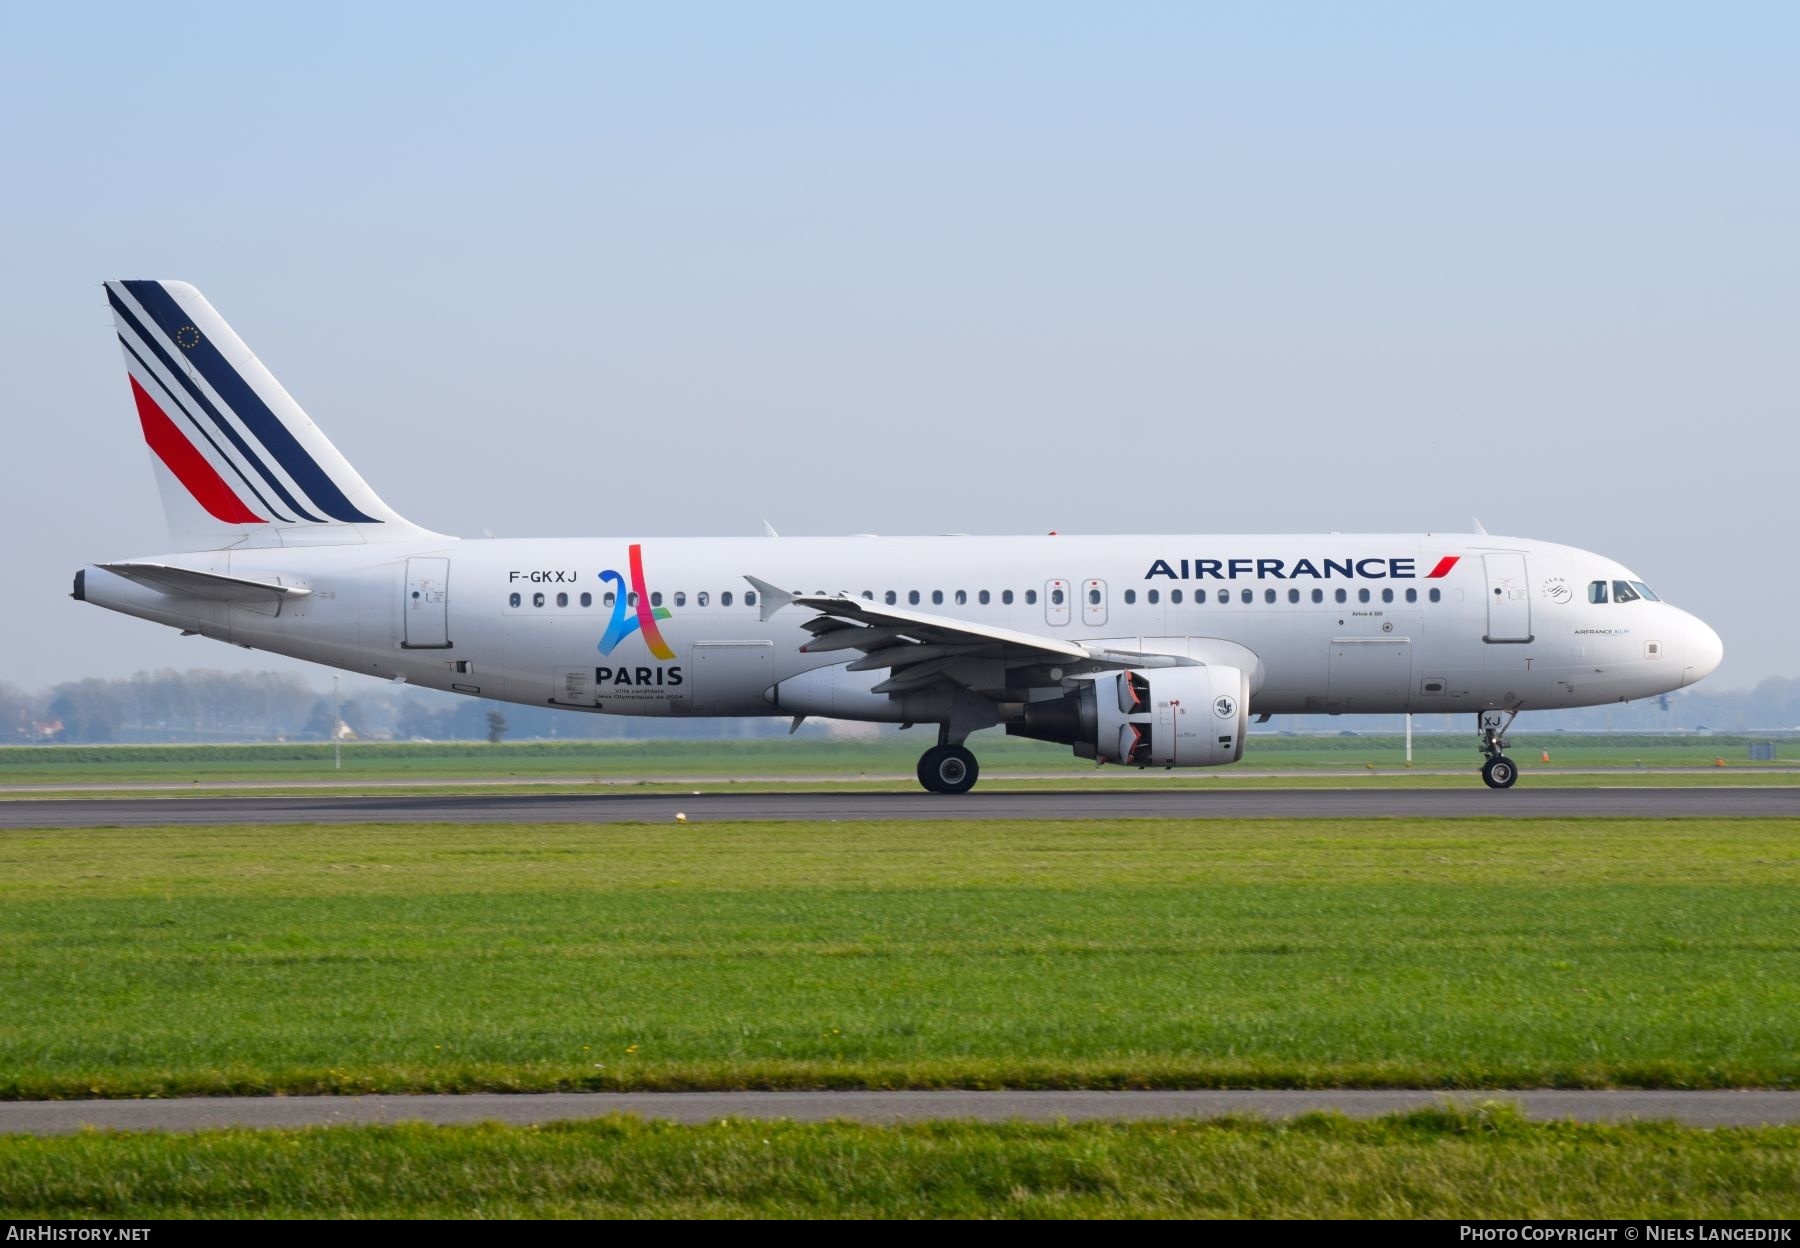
(427, 604)
(1508, 597)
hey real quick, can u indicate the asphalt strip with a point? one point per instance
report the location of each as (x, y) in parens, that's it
(1689, 1108)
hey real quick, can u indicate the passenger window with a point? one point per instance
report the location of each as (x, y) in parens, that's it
(1623, 592)
(962, 597)
(1362, 595)
(1154, 597)
(562, 600)
(1318, 595)
(656, 598)
(631, 599)
(1056, 597)
(937, 597)
(587, 600)
(890, 598)
(1268, 595)
(983, 597)
(1597, 591)
(1248, 597)
(749, 597)
(1094, 596)
(725, 599)
(1006, 597)
(1342, 596)
(537, 600)
(912, 596)
(1412, 595)
(514, 600)
(1436, 594)
(1130, 597)
(1293, 595)
(607, 599)
(868, 595)
(681, 597)
(1175, 597)
(1387, 595)
(1031, 597)
(701, 599)
(1199, 595)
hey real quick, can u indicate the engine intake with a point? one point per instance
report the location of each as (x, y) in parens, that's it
(1164, 717)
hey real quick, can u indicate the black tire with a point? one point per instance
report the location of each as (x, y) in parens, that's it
(948, 769)
(1500, 772)
(925, 771)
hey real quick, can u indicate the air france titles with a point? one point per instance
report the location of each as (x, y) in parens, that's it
(1282, 570)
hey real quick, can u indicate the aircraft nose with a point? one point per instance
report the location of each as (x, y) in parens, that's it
(1704, 650)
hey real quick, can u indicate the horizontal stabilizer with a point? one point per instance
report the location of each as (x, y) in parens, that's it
(187, 583)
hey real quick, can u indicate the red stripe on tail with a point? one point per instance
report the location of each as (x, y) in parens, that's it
(188, 465)
(1443, 567)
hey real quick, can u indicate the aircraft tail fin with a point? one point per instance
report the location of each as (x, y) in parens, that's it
(237, 459)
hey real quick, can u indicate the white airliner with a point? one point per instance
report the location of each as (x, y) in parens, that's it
(1142, 650)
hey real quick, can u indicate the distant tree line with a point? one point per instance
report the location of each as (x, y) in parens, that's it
(202, 705)
(178, 706)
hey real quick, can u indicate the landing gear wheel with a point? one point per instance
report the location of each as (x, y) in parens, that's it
(1499, 772)
(948, 769)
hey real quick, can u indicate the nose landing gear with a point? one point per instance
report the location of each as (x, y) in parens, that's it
(1497, 771)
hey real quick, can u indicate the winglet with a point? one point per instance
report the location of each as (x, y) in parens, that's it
(773, 599)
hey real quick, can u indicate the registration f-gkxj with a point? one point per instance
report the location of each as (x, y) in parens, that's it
(1151, 650)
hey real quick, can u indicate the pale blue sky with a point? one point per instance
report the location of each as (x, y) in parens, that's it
(987, 268)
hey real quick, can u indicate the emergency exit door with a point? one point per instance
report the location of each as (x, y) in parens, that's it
(1093, 603)
(427, 604)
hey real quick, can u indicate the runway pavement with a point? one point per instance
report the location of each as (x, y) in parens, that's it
(1699, 1109)
(1472, 801)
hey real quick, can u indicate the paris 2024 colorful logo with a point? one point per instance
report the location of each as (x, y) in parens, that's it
(641, 615)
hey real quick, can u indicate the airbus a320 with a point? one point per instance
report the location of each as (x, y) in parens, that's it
(1146, 651)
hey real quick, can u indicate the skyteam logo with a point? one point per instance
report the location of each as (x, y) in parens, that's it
(643, 617)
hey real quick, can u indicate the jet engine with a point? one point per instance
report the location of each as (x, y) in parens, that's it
(1163, 717)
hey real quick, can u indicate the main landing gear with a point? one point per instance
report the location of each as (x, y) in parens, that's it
(1497, 771)
(948, 769)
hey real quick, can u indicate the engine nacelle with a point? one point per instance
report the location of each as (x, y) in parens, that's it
(1163, 717)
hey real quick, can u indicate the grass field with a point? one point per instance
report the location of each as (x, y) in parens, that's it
(1000, 755)
(126, 772)
(1485, 953)
(1436, 1164)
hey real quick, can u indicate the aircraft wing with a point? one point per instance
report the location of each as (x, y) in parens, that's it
(187, 583)
(922, 649)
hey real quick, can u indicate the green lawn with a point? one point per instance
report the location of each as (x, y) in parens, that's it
(1436, 1164)
(1496, 953)
(809, 757)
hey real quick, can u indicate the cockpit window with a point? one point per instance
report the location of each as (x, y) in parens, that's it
(1597, 591)
(1623, 592)
(1645, 590)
